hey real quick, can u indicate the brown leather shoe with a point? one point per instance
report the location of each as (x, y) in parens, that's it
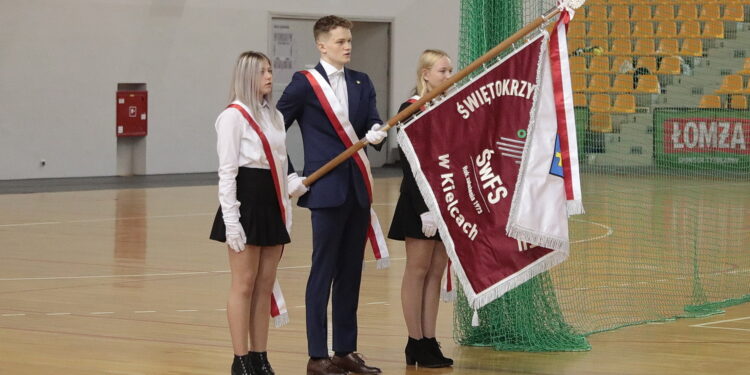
(353, 362)
(323, 367)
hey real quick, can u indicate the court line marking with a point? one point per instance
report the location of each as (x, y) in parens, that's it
(706, 324)
(84, 314)
(727, 328)
(609, 229)
(730, 272)
(149, 274)
(104, 219)
(639, 190)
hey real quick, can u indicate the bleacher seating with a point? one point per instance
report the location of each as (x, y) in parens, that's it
(646, 44)
(738, 102)
(710, 101)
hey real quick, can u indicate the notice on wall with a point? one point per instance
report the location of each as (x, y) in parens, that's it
(282, 53)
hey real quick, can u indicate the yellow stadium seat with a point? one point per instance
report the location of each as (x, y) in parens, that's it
(574, 44)
(624, 103)
(664, 12)
(599, 64)
(600, 123)
(578, 81)
(687, 12)
(643, 29)
(620, 29)
(668, 47)
(641, 13)
(621, 47)
(619, 13)
(738, 102)
(597, 13)
(647, 84)
(577, 64)
(670, 65)
(622, 64)
(644, 47)
(734, 12)
(599, 103)
(746, 68)
(710, 101)
(577, 30)
(648, 62)
(601, 43)
(690, 29)
(710, 12)
(599, 83)
(713, 29)
(623, 83)
(732, 84)
(579, 100)
(692, 47)
(598, 30)
(666, 29)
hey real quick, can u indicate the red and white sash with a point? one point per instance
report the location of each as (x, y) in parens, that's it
(279, 311)
(336, 114)
(566, 123)
(414, 99)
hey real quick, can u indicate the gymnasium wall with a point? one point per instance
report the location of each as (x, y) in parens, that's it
(61, 61)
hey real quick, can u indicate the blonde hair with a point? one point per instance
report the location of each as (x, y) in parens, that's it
(427, 60)
(246, 83)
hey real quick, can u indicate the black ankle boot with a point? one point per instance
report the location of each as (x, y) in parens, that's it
(435, 346)
(241, 365)
(410, 351)
(419, 352)
(259, 363)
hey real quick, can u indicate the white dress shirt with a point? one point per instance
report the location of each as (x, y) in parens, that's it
(338, 84)
(238, 145)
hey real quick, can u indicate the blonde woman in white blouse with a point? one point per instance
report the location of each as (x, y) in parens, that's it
(254, 219)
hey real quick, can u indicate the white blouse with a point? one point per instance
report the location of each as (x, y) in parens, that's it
(238, 145)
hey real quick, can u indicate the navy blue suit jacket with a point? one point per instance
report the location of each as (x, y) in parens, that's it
(320, 141)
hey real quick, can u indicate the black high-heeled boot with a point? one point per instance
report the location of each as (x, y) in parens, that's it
(418, 353)
(435, 346)
(259, 363)
(241, 365)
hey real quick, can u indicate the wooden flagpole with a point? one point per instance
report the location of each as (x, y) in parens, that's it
(401, 116)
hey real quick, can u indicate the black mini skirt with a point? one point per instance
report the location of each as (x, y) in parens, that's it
(260, 216)
(406, 221)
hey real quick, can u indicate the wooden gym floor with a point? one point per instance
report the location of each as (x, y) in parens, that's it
(125, 281)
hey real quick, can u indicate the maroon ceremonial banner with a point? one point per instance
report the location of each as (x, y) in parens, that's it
(466, 153)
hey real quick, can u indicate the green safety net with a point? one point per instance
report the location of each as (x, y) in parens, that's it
(665, 170)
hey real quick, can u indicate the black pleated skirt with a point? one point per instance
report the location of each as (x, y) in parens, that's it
(260, 215)
(406, 221)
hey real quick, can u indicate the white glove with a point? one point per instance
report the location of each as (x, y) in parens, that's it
(235, 236)
(295, 186)
(429, 224)
(375, 135)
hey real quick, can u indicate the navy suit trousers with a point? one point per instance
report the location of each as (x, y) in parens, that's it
(339, 235)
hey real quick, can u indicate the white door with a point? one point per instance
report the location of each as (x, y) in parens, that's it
(292, 48)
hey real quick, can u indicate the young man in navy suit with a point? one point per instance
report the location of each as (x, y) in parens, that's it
(331, 104)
